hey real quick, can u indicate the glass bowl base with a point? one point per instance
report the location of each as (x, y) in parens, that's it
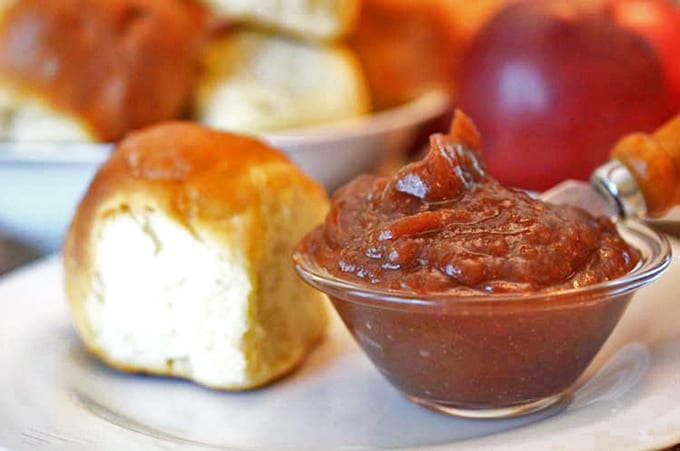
(501, 412)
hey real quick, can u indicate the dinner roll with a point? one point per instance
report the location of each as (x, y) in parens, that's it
(178, 259)
(253, 82)
(408, 47)
(95, 69)
(312, 19)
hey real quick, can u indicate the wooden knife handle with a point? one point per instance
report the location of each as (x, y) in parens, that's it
(654, 161)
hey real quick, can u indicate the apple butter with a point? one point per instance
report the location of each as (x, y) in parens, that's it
(469, 296)
(443, 224)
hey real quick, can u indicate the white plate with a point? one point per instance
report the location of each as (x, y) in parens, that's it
(55, 396)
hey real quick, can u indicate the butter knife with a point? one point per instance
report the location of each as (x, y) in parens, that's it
(642, 179)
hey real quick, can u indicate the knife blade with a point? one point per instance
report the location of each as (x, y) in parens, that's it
(577, 193)
(612, 192)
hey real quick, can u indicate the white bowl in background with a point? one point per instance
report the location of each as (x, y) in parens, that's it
(41, 183)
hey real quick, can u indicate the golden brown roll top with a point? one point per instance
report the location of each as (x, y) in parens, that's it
(192, 172)
(115, 64)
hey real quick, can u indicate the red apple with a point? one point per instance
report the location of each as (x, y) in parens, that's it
(552, 86)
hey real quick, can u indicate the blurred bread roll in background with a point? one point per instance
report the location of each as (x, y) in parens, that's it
(73, 70)
(178, 260)
(94, 70)
(312, 19)
(255, 81)
(408, 47)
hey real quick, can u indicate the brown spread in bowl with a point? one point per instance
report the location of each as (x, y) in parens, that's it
(469, 297)
(443, 224)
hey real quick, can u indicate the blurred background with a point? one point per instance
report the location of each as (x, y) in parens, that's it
(344, 87)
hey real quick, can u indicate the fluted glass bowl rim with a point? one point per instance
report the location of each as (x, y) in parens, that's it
(655, 258)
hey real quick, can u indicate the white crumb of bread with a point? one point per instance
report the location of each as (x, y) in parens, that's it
(168, 302)
(27, 119)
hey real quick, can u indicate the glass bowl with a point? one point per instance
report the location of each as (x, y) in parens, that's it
(488, 356)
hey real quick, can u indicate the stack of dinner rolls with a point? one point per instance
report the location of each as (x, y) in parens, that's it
(93, 70)
(73, 70)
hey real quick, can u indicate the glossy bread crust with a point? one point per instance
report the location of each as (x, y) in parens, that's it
(130, 64)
